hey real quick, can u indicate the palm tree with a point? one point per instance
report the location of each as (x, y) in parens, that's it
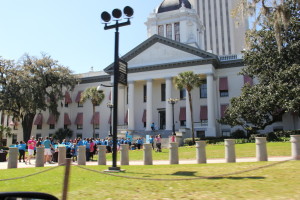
(96, 98)
(188, 80)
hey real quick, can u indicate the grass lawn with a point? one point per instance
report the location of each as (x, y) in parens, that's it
(215, 151)
(276, 182)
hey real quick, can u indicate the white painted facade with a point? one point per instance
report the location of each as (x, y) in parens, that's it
(154, 62)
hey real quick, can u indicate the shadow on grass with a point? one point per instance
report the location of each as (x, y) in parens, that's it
(184, 173)
(237, 178)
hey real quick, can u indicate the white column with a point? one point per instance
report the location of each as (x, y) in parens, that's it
(149, 105)
(211, 128)
(131, 105)
(169, 116)
(188, 111)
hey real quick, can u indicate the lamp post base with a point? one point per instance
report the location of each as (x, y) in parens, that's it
(114, 169)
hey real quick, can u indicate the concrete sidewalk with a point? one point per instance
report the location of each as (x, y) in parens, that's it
(3, 165)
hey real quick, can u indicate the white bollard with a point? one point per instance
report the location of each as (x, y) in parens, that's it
(261, 149)
(62, 155)
(230, 150)
(148, 154)
(173, 156)
(39, 160)
(295, 140)
(81, 155)
(13, 157)
(101, 155)
(201, 152)
(124, 154)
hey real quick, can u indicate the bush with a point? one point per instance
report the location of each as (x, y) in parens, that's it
(189, 141)
(271, 137)
(238, 134)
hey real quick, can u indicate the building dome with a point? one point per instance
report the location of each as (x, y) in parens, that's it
(169, 5)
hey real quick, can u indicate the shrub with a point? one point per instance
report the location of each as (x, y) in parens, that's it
(189, 141)
(238, 134)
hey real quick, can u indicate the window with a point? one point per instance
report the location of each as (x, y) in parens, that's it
(51, 126)
(177, 31)
(224, 93)
(50, 135)
(65, 126)
(169, 31)
(161, 30)
(204, 122)
(66, 105)
(182, 122)
(182, 94)
(163, 92)
(15, 127)
(39, 126)
(80, 104)
(226, 133)
(79, 126)
(96, 135)
(223, 87)
(14, 138)
(145, 93)
(145, 124)
(203, 90)
(96, 126)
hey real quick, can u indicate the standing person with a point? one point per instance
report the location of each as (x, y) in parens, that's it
(47, 152)
(158, 143)
(31, 146)
(151, 141)
(153, 126)
(22, 149)
(92, 146)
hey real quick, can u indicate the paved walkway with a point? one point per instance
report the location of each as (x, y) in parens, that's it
(3, 165)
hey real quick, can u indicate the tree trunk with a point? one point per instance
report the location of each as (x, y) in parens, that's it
(93, 121)
(27, 122)
(192, 118)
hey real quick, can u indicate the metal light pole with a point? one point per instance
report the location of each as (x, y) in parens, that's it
(172, 102)
(106, 17)
(110, 106)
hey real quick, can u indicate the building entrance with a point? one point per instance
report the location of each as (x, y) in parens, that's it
(162, 119)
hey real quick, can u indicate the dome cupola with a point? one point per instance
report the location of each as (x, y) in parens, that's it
(170, 5)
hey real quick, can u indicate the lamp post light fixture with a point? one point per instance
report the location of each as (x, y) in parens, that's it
(110, 106)
(172, 102)
(106, 17)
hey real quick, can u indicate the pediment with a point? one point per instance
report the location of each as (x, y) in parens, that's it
(159, 50)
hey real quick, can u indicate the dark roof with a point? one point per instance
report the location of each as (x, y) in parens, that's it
(169, 5)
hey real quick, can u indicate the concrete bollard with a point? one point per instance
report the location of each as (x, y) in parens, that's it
(62, 151)
(13, 157)
(230, 150)
(101, 155)
(81, 155)
(295, 140)
(148, 154)
(261, 149)
(173, 156)
(40, 158)
(124, 154)
(201, 153)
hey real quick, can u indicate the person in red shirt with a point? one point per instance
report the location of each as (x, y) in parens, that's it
(31, 145)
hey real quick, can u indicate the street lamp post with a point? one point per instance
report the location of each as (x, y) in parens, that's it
(110, 106)
(106, 17)
(172, 102)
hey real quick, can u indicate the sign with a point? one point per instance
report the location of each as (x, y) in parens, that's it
(122, 72)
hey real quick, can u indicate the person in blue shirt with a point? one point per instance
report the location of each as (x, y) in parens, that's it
(151, 141)
(22, 149)
(139, 143)
(47, 152)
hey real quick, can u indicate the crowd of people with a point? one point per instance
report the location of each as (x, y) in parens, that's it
(51, 147)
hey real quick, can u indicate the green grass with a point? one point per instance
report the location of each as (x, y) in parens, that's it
(276, 182)
(215, 151)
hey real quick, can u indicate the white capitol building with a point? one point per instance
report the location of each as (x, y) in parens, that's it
(195, 35)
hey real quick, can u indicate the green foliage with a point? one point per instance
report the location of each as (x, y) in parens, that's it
(26, 86)
(278, 73)
(238, 134)
(61, 134)
(188, 80)
(4, 131)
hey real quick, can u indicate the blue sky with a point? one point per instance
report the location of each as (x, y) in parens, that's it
(69, 30)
